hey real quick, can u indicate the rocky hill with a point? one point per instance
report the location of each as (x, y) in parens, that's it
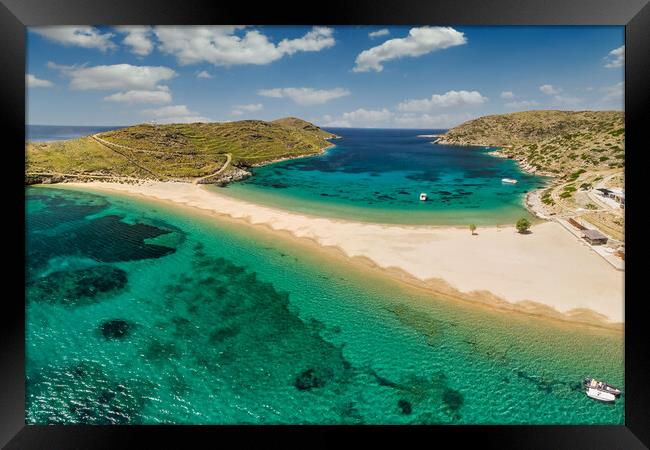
(556, 143)
(300, 124)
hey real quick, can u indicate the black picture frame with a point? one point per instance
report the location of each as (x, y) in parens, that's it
(15, 15)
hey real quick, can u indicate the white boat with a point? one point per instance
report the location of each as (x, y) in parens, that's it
(508, 180)
(601, 385)
(423, 196)
(599, 390)
(603, 396)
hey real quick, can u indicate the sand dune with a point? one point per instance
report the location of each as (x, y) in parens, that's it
(546, 272)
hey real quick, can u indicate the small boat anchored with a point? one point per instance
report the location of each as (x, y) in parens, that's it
(509, 180)
(599, 390)
(423, 196)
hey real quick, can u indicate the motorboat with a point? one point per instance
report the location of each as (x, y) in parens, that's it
(596, 384)
(600, 395)
(423, 196)
(509, 180)
(599, 390)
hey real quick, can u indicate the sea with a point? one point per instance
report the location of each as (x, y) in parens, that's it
(43, 133)
(139, 312)
(377, 175)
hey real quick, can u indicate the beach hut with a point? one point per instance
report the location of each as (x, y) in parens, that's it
(594, 237)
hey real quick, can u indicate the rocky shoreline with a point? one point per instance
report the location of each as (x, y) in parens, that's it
(230, 176)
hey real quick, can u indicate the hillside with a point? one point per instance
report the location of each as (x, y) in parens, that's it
(300, 124)
(187, 152)
(582, 151)
(555, 143)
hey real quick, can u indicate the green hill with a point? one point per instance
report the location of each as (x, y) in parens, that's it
(300, 124)
(187, 152)
(556, 143)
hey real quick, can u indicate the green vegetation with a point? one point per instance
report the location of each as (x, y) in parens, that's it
(176, 151)
(83, 155)
(522, 225)
(557, 143)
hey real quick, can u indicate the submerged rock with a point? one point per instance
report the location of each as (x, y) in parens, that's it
(77, 287)
(404, 406)
(453, 399)
(115, 329)
(312, 378)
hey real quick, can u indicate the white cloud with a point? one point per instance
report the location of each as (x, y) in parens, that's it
(175, 114)
(330, 121)
(566, 101)
(138, 38)
(167, 111)
(507, 95)
(305, 96)
(615, 58)
(614, 95)
(239, 110)
(419, 41)
(157, 97)
(115, 77)
(379, 33)
(184, 119)
(410, 120)
(203, 74)
(522, 104)
(33, 82)
(549, 89)
(359, 118)
(220, 46)
(363, 118)
(317, 39)
(362, 115)
(79, 36)
(446, 100)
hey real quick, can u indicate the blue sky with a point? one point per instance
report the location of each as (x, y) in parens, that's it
(366, 76)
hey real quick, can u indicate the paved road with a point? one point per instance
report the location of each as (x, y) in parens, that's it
(600, 250)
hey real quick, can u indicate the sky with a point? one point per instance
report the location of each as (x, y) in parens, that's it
(334, 76)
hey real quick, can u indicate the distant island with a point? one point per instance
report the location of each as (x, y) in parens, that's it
(215, 153)
(580, 150)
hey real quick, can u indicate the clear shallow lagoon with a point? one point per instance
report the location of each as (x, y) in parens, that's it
(377, 175)
(142, 313)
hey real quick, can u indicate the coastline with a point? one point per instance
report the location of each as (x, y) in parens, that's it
(532, 202)
(534, 274)
(287, 158)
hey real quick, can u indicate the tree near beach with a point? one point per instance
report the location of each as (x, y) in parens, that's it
(472, 228)
(522, 225)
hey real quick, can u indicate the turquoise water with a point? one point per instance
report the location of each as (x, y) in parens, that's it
(141, 313)
(377, 175)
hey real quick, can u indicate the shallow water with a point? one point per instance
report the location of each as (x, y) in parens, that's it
(142, 313)
(378, 175)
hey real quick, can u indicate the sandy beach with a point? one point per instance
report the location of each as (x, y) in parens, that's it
(547, 272)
